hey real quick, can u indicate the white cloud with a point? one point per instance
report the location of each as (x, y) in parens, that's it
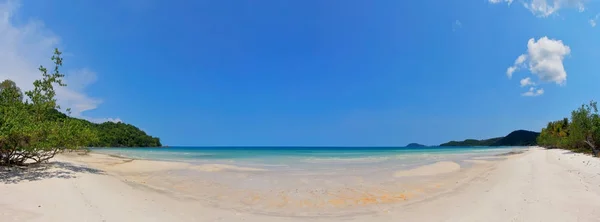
(533, 92)
(594, 19)
(520, 59)
(517, 65)
(23, 48)
(510, 71)
(500, 1)
(456, 25)
(80, 79)
(544, 59)
(581, 7)
(545, 8)
(526, 82)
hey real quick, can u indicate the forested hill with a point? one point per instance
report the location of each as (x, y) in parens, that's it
(515, 138)
(472, 142)
(123, 135)
(117, 134)
(518, 138)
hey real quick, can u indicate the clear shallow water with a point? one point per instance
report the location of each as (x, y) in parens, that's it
(309, 157)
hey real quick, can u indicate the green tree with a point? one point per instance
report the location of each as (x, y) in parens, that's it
(10, 92)
(28, 131)
(585, 127)
(555, 134)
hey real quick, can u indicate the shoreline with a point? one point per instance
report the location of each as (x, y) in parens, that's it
(215, 191)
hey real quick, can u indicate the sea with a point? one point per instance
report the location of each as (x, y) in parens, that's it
(274, 158)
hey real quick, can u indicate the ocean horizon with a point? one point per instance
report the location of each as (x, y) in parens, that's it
(283, 157)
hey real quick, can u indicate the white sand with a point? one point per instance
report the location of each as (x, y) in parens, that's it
(430, 170)
(540, 185)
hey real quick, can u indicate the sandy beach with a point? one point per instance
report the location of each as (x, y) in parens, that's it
(537, 185)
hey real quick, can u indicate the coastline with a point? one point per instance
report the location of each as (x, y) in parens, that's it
(538, 184)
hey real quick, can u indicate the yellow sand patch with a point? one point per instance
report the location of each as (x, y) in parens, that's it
(430, 170)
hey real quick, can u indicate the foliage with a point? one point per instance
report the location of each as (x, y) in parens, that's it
(27, 132)
(555, 134)
(114, 134)
(33, 131)
(10, 92)
(472, 142)
(123, 135)
(581, 133)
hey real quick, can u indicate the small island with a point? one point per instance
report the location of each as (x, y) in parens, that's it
(414, 145)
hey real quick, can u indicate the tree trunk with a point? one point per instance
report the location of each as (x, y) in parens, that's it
(591, 144)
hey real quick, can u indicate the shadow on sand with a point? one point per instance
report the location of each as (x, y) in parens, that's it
(13, 175)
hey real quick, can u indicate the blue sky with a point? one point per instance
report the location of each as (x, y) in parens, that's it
(360, 73)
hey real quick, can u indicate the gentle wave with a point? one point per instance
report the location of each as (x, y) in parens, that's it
(346, 160)
(283, 158)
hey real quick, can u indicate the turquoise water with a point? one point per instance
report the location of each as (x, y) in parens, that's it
(309, 156)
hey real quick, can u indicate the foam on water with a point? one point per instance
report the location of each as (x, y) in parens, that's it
(309, 157)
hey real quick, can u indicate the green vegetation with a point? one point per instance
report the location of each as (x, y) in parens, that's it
(28, 134)
(33, 131)
(112, 134)
(123, 135)
(515, 138)
(580, 134)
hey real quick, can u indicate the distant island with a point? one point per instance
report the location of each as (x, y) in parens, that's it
(415, 145)
(515, 138)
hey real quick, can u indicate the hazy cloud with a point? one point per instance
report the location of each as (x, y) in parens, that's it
(500, 1)
(545, 8)
(526, 82)
(533, 92)
(593, 20)
(520, 59)
(23, 48)
(510, 71)
(456, 25)
(517, 65)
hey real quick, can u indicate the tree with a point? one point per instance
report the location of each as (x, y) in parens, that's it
(10, 92)
(585, 127)
(555, 134)
(28, 131)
